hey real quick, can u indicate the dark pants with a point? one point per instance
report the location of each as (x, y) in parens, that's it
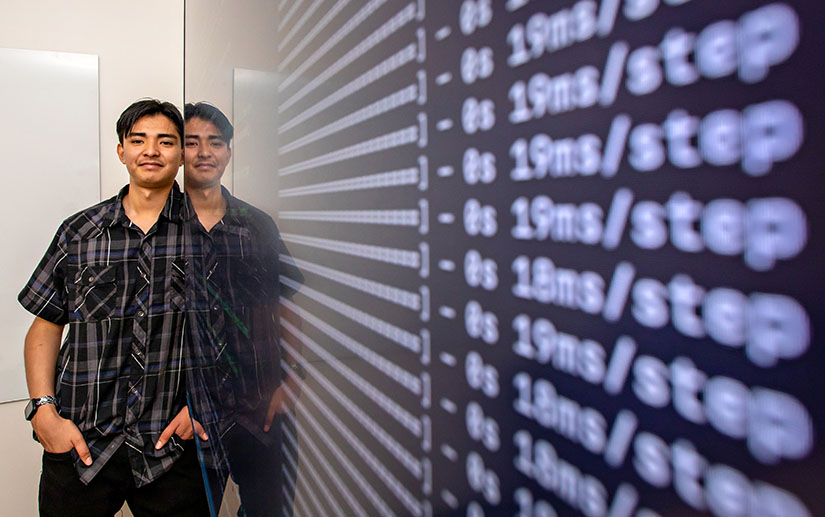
(177, 493)
(256, 468)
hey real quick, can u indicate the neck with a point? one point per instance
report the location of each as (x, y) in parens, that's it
(209, 199)
(208, 203)
(143, 205)
(142, 199)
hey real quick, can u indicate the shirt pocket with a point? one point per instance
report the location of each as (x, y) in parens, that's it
(253, 283)
(95, 292)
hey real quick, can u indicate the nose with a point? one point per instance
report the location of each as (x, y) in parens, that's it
(152, 148)
(204, 151)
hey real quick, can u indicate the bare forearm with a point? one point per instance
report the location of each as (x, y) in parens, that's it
(40, 355)
(55, 433)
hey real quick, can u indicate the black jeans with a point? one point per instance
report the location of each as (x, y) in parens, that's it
(177, 493)
(256, 468)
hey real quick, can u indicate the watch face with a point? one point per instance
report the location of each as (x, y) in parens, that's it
(30, 410)
(31, 407)
(299, 369)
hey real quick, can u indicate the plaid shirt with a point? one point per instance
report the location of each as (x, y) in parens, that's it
(232, 309)
(119, 373)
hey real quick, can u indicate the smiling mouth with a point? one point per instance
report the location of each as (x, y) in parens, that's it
(151, 164)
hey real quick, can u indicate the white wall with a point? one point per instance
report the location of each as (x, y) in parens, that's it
(20, 469)
(63, 88)
(140, 47)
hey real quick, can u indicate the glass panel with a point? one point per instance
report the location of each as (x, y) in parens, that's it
(553, 258)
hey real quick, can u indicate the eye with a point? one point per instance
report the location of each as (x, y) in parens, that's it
(191, 144)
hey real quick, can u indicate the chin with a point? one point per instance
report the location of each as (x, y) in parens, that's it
(200, 183)
(155, 182)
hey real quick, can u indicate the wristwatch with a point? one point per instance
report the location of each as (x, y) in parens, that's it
(298, 368)
(31, 407)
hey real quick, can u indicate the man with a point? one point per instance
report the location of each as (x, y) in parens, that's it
(109, 406)
(239, 390)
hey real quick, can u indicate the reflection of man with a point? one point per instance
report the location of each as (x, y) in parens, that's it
(109, 406)
(239, 393)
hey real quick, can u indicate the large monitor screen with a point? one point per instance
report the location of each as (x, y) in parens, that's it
(560, 257)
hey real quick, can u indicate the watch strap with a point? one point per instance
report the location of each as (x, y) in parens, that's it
(35, 403)
(46, 399)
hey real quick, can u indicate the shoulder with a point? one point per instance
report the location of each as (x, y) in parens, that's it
(89, 221)
(253, 218)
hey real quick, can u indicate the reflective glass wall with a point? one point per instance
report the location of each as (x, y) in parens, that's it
(556, 258)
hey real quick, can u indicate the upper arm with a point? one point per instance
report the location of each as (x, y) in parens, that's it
(40, 354)
(41, 348)
(45, 326)
(45, 332)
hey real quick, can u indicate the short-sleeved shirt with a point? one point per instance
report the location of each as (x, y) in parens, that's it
(233, 314)
(119, 375)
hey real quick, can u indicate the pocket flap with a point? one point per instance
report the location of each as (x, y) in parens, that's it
(93, 275)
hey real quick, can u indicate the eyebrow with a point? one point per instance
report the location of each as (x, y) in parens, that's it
(160, 135)
(208, 137)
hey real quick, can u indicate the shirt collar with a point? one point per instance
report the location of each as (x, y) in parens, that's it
(175, 209)
(236, 212)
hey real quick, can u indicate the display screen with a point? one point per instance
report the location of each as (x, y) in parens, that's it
(560, 257)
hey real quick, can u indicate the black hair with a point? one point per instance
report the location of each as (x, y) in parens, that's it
(148, 107)
(210, 113)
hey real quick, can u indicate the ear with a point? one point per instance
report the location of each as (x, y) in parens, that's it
(120, 153)
(182, 151)
(229, 150)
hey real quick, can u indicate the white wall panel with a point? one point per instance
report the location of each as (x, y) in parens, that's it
(49, 141)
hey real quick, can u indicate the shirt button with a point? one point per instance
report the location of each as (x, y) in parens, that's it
(141, 314)
(214, 307)
(91, 279)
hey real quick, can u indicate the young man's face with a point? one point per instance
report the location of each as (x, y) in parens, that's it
(152, 152)
(206, 154)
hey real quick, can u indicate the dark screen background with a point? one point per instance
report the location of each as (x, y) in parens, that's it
(460, 324)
